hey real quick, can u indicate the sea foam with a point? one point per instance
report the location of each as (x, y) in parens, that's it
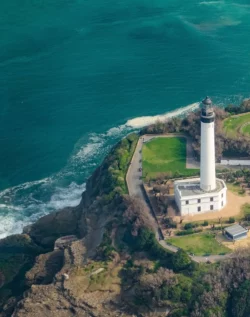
(14, 218)
(24, 204)
(144, 121)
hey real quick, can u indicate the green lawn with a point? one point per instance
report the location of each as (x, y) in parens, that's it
(232, 124)
(199, 244)
(163, 155)
(246, 130)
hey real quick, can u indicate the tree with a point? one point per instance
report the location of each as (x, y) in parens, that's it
(181, 261)
(137, 215)
(240, 301)
(145, 239)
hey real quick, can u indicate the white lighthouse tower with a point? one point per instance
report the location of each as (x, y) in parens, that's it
(207, 154)
(207, 193)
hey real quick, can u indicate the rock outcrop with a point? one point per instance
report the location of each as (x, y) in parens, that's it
(42, 270)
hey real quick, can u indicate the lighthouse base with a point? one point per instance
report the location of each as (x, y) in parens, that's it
(192, 200)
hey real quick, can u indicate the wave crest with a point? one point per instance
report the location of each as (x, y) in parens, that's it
(144, 121)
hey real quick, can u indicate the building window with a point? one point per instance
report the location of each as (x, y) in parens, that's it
(186, 202)
(222, 204)
(222, 195)
(199, 201)
(199, 208)
(211, 198)
(211, 207)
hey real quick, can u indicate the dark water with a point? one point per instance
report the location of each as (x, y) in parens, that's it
(72, 73)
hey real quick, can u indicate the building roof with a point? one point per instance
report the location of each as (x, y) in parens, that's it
(235, 230)
(207, 101)
(192, 187)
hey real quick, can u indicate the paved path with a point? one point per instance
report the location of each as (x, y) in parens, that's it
(134, 183)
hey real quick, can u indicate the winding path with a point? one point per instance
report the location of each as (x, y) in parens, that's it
(135, 188)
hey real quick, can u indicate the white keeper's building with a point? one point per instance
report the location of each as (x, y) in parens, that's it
(207, 193)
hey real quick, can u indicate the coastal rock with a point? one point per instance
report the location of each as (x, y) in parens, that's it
(45, 268)
(18, 251)
(61, 223)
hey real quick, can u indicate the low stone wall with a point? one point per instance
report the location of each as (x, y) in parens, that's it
(161, 236)
(235, 162)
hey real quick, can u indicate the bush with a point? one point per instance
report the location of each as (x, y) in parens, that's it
(231, 220)
(187, 232)
(205, 223)
(170, 223)
(114, 169)
(181, 261)
(146, 241)
(188, 226)
(219, 227)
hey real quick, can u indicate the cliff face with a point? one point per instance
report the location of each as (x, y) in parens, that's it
(48, 292)
(52, 293)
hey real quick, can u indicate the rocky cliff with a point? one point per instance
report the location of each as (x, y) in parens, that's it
(60, 282)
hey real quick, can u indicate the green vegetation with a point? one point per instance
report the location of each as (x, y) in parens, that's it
(112, 178)
(122, 156)
(187, 232)
(235, 188)
(181, 260)
(146, 241)
(96, 275)
(245, 212)
(231, 220)
(240, 300)
(232, 125)
(199, 244)
(246, 129)
(165, 155)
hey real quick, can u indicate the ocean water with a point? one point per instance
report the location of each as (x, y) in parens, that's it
(76, 76)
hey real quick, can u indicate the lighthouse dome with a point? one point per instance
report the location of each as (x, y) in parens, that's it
(207, 101)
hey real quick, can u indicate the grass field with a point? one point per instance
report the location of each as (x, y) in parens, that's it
(246, 129)
(163, 155)
(232, 125)
(199, 244)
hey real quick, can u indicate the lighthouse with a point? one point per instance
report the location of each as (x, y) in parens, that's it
(206, 193)
(207, 154)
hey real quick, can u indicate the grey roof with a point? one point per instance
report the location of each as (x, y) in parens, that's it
(235, 230)
(191, 188)
(207, 101)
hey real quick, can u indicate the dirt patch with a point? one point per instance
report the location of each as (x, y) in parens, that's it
(236, 244)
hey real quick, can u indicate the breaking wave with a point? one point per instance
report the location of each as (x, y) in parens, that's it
(144, 121)
(24, 204)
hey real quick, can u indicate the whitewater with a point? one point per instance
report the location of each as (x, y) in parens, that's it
(21, 206)
(77, 76)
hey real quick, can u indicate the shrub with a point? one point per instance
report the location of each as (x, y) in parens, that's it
(205, 223)
(231, 220)
(187, 232)
(146, 241)
(219, 227)
(188, 226)
(180, 261)
(170, 223)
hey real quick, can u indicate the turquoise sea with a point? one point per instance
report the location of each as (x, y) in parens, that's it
(77, 75)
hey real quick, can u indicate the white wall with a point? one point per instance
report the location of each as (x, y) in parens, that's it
(192, 208)
(207, 159)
